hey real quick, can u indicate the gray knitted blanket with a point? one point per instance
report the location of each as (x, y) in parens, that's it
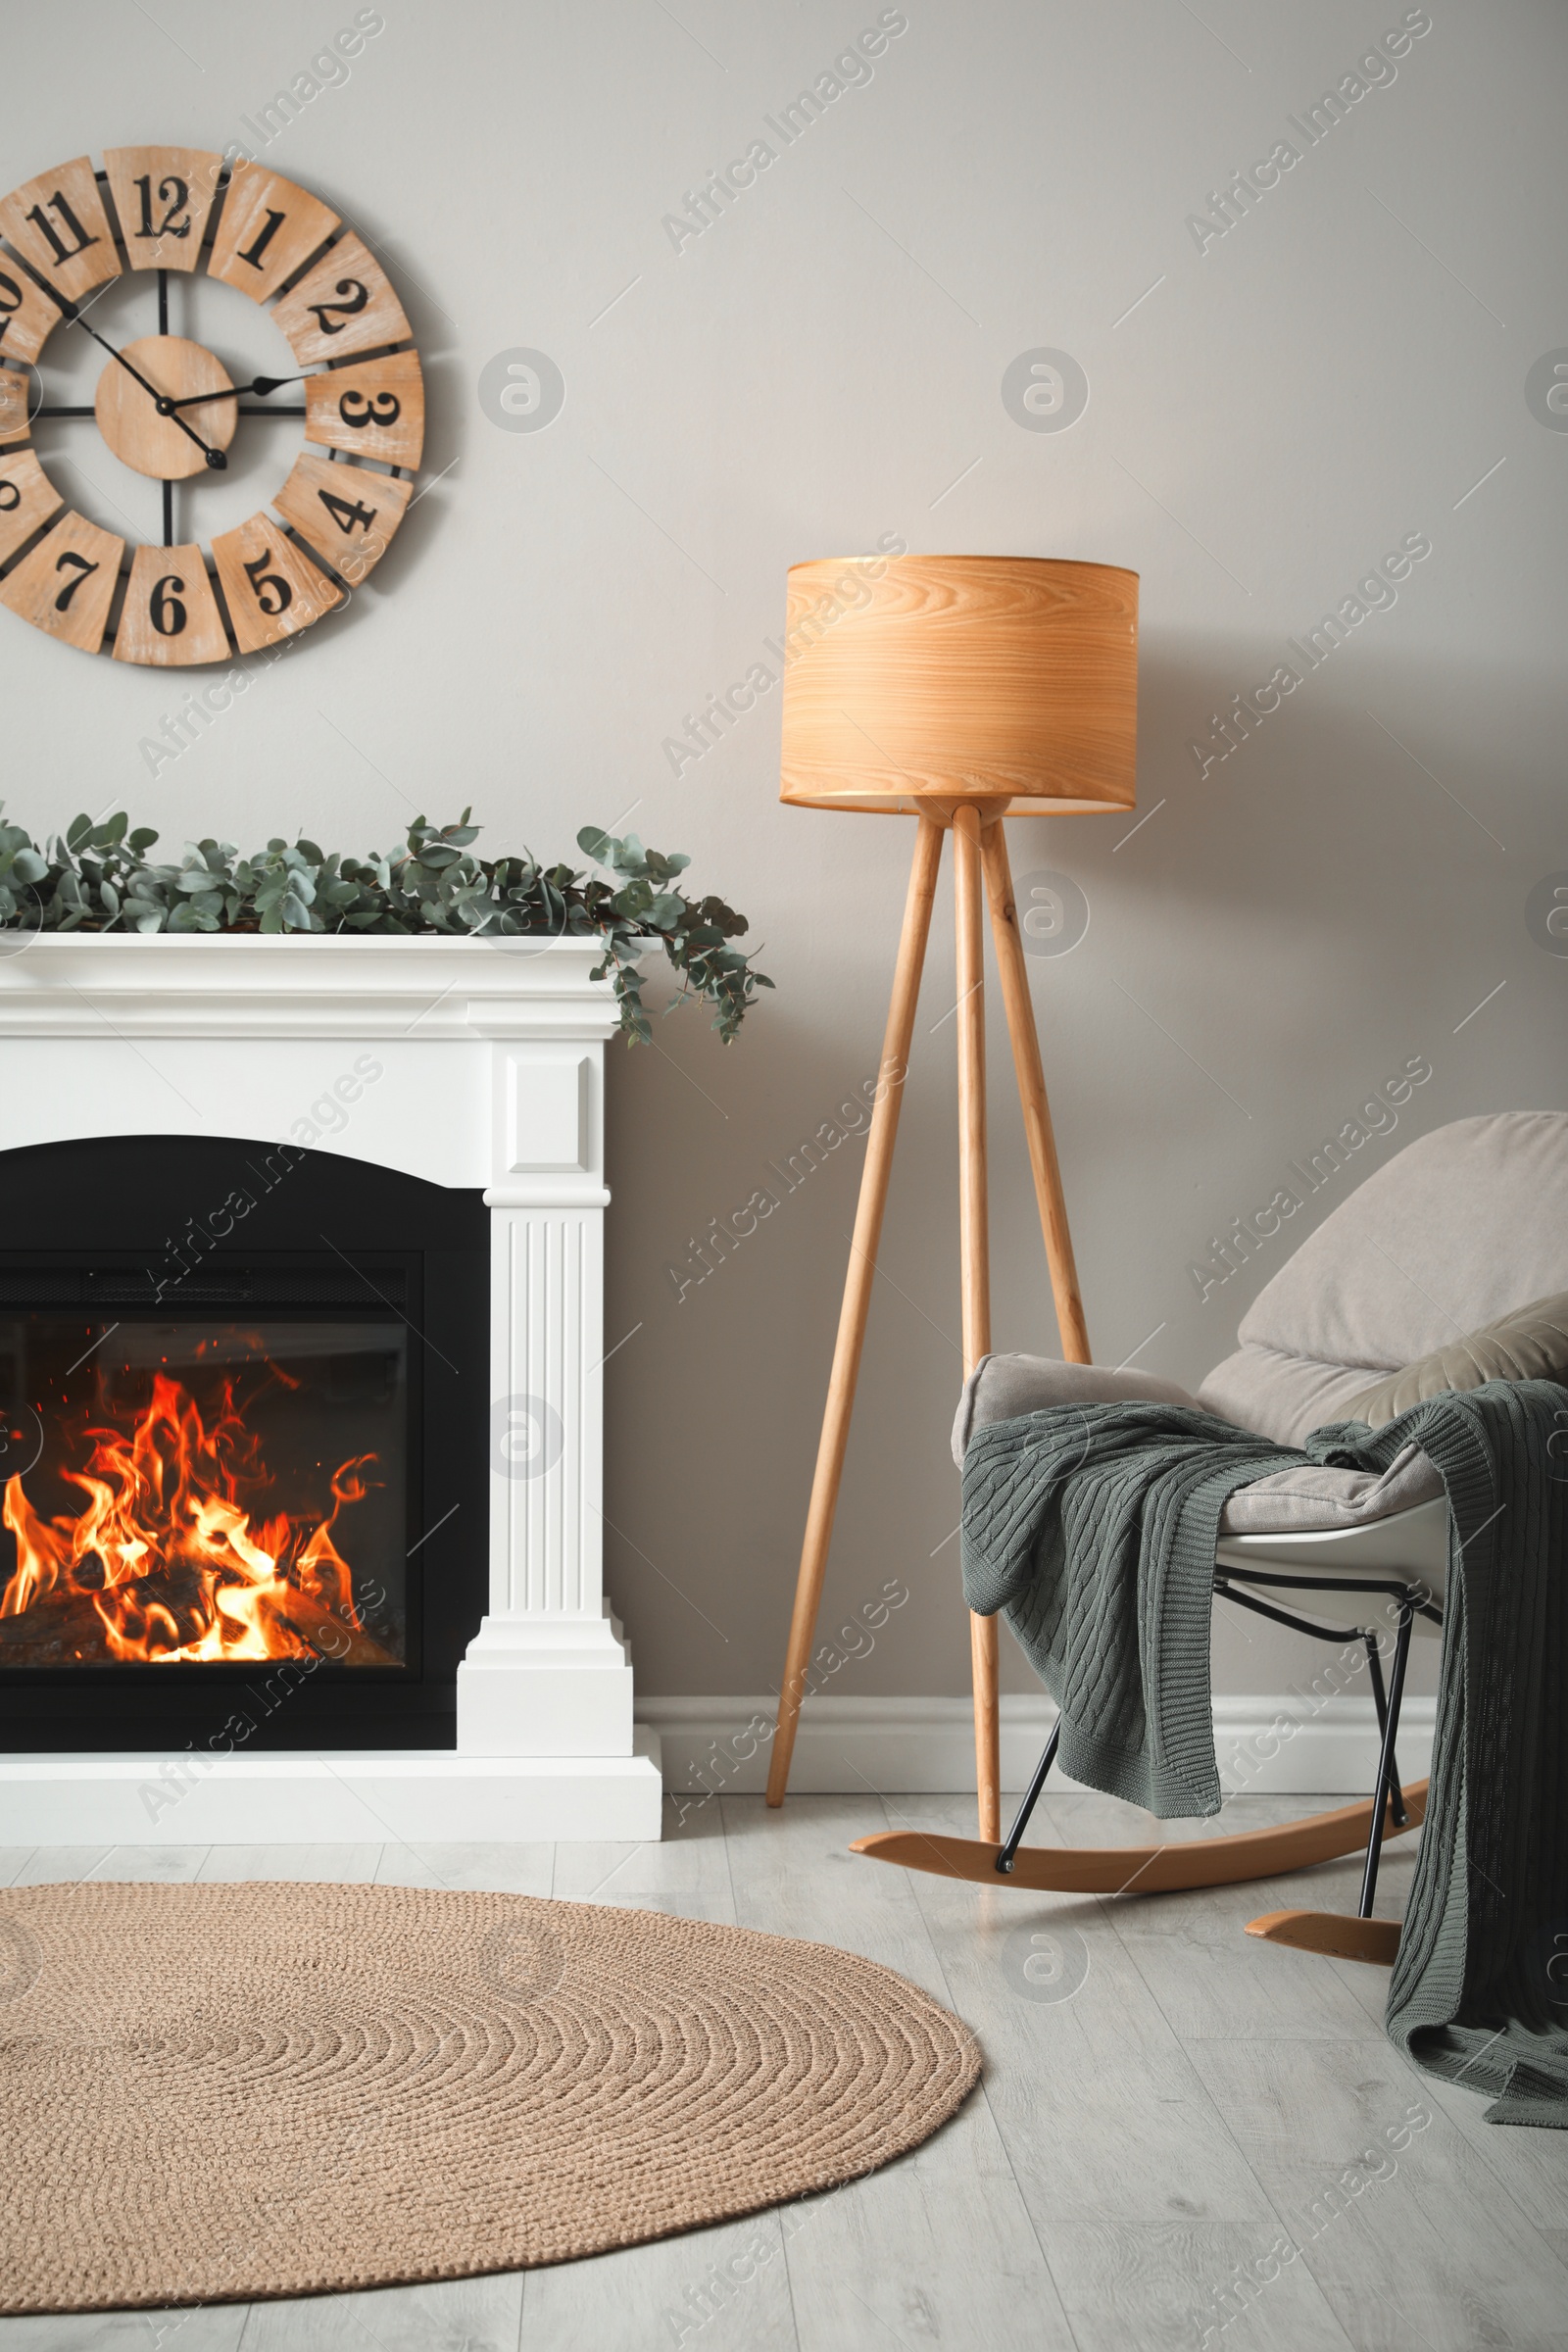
(1092, 1528)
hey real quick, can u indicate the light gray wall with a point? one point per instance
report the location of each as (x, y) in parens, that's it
(816, 369)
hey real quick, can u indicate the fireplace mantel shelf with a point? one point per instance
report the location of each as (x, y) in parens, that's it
(466, 1063)
(312, 984)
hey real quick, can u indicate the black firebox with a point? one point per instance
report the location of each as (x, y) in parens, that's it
(242, 1448)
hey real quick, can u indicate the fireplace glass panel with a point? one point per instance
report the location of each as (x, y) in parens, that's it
(187, 1492)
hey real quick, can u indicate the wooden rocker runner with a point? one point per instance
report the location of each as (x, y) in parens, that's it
(1169, 1868)
(1138, 1870)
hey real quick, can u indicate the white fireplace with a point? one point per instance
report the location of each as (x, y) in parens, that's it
(489, 1073)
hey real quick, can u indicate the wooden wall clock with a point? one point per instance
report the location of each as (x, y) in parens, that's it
(168, 407)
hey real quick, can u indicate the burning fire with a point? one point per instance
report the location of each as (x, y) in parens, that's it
(165, 1555)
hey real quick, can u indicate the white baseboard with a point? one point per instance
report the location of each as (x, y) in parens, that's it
(711, 1746)
(925, 1746)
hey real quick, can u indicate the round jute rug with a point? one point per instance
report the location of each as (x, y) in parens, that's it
(223, 2093)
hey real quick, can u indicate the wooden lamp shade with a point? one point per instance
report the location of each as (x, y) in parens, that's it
(1009, 680)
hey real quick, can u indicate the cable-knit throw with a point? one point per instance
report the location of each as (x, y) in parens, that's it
(1093, 1526)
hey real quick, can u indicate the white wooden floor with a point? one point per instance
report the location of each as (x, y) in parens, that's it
(1182, 2136)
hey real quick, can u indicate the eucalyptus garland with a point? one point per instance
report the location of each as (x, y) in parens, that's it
(103, 878)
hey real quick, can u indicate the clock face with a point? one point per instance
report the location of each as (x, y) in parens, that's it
(171, 409)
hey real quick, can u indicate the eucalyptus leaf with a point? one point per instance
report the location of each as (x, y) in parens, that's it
(101, 878)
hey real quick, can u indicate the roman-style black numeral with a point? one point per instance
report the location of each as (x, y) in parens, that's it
(356, 410)
(175, 194)
(275, 221)
(9, 302)
(166, 612)
(84, 570)
(260, 580)
(47, 230)
(357, 298)
(10, 498)
(344, 515)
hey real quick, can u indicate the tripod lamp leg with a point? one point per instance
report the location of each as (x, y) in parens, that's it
(857, 1298)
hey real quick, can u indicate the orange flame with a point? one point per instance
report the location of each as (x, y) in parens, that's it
(165, 1554)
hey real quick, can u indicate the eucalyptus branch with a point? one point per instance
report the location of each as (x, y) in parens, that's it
(103, 878)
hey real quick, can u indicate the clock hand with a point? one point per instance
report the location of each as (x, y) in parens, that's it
(263, 384)
(215, 457)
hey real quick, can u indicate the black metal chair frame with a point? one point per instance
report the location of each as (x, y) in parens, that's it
(1412, 1600)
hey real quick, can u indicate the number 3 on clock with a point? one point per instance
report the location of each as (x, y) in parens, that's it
(371, 408)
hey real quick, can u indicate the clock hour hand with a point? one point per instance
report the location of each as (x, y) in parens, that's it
(263, 384)
(215, 457)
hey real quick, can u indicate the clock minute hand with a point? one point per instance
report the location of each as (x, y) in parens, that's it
(215, 457)
(263, 384)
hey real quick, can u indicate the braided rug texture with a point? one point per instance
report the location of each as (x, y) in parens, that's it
(227, 2092)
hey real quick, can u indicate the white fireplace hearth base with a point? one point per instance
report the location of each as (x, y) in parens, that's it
(472, 1064)
(412, 1796)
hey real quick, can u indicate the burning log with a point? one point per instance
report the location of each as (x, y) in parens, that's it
(166, 1563)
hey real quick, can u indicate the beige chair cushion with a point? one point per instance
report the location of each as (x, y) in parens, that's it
(1281, 1395)
(1445, 1238)
(1529, 1345)
(1426, 1261)
(1310, 1499)
(1004, 1388)
(1302, 1499)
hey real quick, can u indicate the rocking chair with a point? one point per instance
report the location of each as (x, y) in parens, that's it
(1458, 1230)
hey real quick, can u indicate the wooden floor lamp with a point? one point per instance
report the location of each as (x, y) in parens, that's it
(958, 690)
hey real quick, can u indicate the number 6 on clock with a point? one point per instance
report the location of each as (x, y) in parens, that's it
(169, 618)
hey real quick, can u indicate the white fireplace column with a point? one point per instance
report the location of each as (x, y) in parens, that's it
(548, 1673)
